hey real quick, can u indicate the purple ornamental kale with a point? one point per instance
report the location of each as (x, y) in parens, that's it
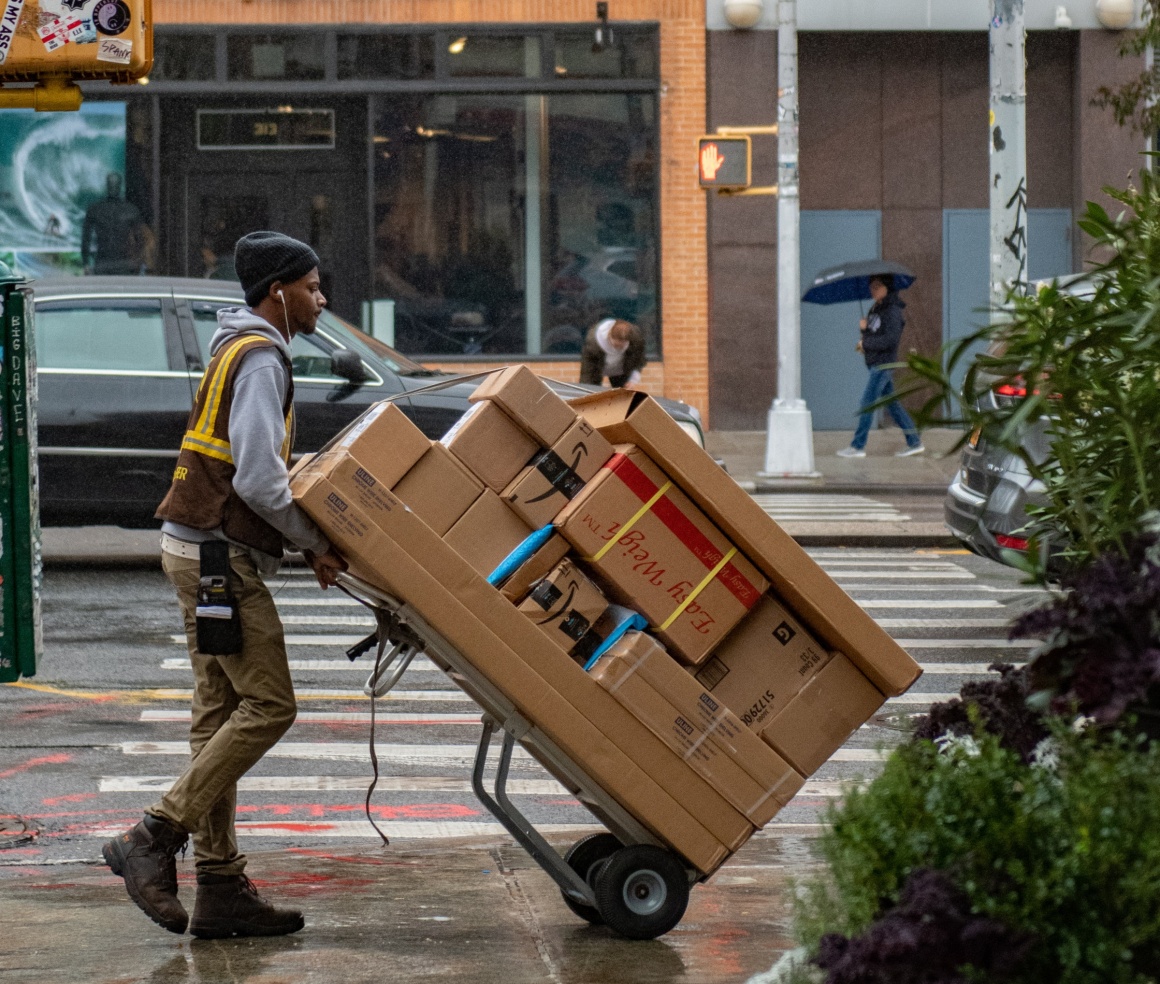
(1102, 650)
(1001, 707)
(930, 937)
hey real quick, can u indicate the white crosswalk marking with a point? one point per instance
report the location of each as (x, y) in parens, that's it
(900, 590)
(826, 508)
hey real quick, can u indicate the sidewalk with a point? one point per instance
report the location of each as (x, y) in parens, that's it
(466, 912)
(744, 455)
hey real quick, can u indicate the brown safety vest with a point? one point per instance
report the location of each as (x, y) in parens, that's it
(202, 494)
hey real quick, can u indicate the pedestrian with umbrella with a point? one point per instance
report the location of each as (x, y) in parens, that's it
(881, 331)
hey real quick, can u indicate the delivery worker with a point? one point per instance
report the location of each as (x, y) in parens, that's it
(230, 499)
(613, 349)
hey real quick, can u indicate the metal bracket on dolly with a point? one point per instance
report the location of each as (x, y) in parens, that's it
(514, 822)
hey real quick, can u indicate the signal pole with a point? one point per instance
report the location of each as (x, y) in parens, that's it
(1008, 152)
(789, 439)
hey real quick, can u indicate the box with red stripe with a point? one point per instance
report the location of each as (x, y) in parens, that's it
(658, 553)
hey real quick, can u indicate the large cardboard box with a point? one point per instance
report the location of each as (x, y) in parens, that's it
(402, 556)
(640, 656)
(384, 440)
(516, 587)
(567, 606)
(820, 604)
(762, 663)
(817, 722)
(661, 555)
(439, 489)
(695, 734)
(529, 402)
(486, 533)
(492, 445)
(557, 474)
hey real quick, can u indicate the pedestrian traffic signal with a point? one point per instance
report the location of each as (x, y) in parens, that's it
(56, 43)
(723, 162)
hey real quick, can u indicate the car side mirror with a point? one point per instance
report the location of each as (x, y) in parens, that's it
(347, 364)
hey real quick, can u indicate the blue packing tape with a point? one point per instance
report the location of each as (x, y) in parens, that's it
(511, 563)
(630, 622)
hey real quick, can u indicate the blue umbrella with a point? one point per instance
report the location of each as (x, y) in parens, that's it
(851, 281)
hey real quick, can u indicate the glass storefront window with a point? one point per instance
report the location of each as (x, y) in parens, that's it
(509, 224)
(386, 56)
(493, 56)
(297, 56)
(602, 236)
(183, 57)
(632, 55)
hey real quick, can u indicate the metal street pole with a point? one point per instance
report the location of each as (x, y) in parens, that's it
(1008, 152)
(789, 439)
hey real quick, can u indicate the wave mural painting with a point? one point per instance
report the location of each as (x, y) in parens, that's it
(53, 168)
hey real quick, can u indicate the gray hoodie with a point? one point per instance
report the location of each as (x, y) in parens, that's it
(257, 431)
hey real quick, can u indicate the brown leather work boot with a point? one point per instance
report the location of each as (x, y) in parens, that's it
(229, 905)
(145, 858)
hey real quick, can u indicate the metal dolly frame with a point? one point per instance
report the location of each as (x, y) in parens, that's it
(411, 635)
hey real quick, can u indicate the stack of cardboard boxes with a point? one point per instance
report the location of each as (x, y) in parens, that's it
(755, 666)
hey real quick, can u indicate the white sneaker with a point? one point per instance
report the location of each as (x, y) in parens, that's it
(907, 452)
(851, 453)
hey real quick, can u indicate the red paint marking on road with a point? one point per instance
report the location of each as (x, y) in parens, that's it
(33, 763)
(71, 798)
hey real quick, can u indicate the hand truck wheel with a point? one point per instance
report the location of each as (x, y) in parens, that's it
(586, 857)
(642, 891)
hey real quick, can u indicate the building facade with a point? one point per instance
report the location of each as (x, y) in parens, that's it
(484, 179)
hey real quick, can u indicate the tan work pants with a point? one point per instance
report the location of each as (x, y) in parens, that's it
(242, 705)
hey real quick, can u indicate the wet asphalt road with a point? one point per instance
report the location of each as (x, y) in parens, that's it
(100, 731)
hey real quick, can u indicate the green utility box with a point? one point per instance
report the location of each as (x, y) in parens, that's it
(21, 637)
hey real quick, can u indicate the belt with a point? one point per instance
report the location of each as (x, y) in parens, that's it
(191, 551)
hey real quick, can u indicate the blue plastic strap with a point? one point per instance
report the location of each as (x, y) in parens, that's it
(511, 563)
(630, 621)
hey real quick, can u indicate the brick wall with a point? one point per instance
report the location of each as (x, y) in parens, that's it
(684, 253)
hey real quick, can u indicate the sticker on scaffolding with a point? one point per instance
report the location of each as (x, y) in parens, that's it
(8, 22)
(115, 50)
(53, 35)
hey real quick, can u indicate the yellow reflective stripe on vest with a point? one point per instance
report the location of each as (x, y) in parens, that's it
(209, 411)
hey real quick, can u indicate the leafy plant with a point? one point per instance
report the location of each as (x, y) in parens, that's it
(1064, 856)
(930, 937)
(1101, 650)
(997, 706)
(1137, 102)
(1086, 362)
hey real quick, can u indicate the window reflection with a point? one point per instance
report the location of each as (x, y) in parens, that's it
(463, 184)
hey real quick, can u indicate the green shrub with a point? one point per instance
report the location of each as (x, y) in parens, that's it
(1069, 853)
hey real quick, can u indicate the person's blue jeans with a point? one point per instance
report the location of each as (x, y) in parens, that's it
(880, 384)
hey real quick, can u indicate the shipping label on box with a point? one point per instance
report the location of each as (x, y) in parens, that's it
(492, 445)
(693, 743)
(640, 655)
(661, 554)
(529, 402)
(557, 474)
(439, 489)
(385, 441)
(817, 722)
(568, 607)
(487, 533)
(762, 663)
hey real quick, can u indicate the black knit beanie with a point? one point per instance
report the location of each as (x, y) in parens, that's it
(263, 257)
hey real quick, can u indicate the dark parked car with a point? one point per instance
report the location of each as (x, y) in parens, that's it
(119, 360)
